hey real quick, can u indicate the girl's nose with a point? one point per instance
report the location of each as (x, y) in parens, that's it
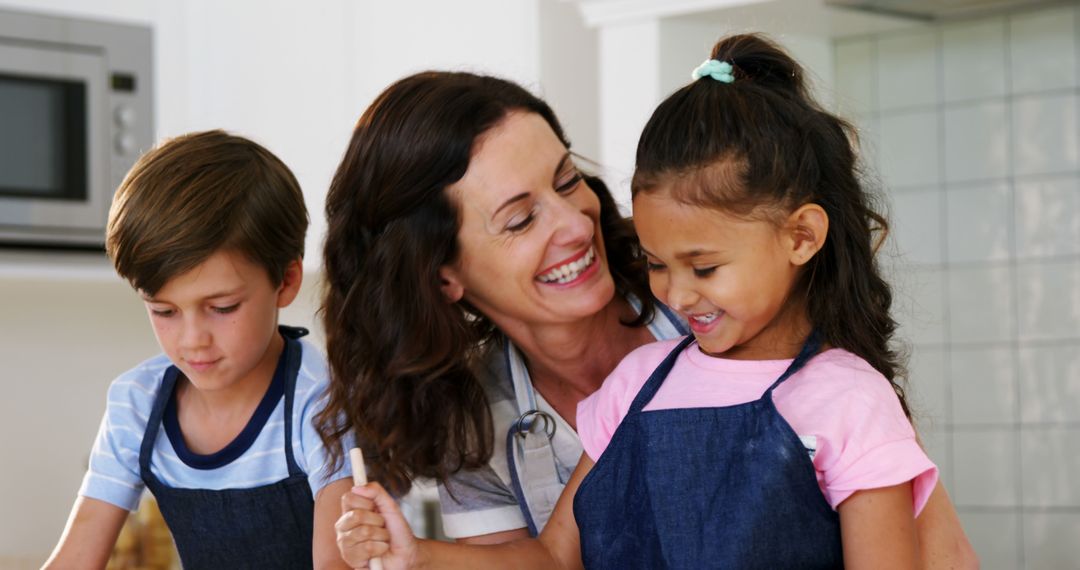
(681, 296)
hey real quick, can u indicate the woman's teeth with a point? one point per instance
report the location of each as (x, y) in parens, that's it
(570, 271)
(706, 318)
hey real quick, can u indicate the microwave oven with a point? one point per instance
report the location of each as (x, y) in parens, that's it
(75, 113)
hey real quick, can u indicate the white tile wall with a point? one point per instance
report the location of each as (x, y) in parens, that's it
(1045, 128)
(908, 154)
(916, 225)
(907, 70)
(1042, 50)
(978, 131)
(920, 305)
(1046, 220)
(972, 54)
(1050, 541)
(984, 468)
(976, 141)
(983, 385)
(1049, 378)
(985, 530)
(980, 304)
(1057, 487)
(1049, 300)
(978, 221)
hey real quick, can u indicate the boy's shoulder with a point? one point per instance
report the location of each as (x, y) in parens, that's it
(144, 378)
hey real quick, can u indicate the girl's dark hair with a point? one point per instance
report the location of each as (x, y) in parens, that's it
(401, 356)
(762, 145)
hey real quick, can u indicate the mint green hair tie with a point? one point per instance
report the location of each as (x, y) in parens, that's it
(718, 70)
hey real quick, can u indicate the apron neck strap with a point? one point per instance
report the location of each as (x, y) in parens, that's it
(809, 349)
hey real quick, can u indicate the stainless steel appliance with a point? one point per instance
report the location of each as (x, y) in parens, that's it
(75, 113)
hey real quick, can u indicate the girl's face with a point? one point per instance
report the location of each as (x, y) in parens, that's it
(531, 250)
(730, 277)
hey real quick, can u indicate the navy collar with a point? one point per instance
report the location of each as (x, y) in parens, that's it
(247, 436)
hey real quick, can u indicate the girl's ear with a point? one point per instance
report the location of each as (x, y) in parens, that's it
(451, 285)
(290, 283)
(807, 228)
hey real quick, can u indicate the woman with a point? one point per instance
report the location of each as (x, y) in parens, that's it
(478, 287)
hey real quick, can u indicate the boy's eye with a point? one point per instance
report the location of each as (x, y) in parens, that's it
(161, 312)
(704, 271)
(226, 310)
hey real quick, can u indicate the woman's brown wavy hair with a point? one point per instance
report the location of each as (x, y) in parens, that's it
(401, 357)
(762, 144)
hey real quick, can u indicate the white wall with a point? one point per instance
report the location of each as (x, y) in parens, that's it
(292, 75)
(974, 128)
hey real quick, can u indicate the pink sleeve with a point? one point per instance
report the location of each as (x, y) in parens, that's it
(872, 445)
(599, 414)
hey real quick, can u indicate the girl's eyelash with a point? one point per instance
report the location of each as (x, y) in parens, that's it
(704, 271)
(650, 266)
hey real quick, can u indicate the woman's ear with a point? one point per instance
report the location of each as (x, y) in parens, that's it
(450, 284)
(290, 283)
(807, 228)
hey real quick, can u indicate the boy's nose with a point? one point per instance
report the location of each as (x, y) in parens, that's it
(195, 335)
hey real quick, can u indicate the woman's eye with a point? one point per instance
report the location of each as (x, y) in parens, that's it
(518, 226)
(704, 271)
(569, 184)
(226, 310)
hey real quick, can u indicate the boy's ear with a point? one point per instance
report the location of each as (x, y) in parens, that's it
(290, 283)
(807, 226)
(450, 284)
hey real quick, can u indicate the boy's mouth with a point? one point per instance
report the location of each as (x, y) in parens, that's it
(569, 270)
(202, 365)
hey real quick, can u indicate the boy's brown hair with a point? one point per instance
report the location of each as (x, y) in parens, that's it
(199, 193)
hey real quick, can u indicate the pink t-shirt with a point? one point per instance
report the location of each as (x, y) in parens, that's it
(844, 411)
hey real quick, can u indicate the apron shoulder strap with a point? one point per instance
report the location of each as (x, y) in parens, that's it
(809, 349)
(656, 379)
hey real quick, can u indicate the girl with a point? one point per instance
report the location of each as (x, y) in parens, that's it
(777, 435)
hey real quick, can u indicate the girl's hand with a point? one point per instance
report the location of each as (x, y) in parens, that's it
(371, 525)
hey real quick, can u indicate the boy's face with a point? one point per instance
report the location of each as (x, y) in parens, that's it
(218, 322)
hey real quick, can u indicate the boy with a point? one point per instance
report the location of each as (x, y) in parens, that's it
(208, 228)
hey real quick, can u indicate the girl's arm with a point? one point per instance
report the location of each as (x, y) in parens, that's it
(942, 542)
(324, 551)
(89, 536)
(877, 527)
(372, 525)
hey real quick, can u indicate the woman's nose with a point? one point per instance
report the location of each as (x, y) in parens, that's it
(573, 225)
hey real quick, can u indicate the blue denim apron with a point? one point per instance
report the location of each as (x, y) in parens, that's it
(728, 487)
(262, 527)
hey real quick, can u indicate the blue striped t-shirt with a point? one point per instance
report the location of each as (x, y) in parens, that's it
(113, 475)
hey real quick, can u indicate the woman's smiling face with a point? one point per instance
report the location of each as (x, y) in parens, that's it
(531, 249)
